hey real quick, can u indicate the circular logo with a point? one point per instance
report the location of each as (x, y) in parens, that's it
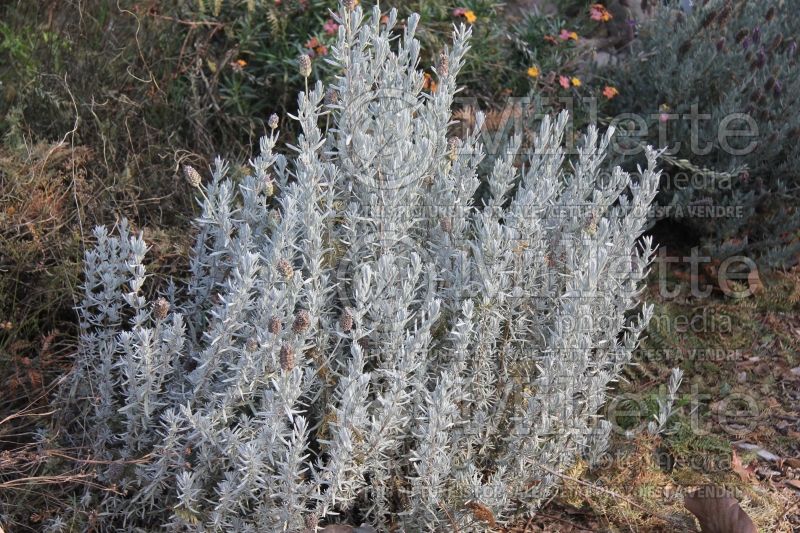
(388, 138)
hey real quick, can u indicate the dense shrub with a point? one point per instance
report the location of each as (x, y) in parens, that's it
(356, 335)
(736, 63)
(100, 105)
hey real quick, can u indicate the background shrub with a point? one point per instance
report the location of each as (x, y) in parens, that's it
(726, 58)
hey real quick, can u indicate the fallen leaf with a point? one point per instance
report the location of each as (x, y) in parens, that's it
(792, 462)
(754, 280)
(746, 473)
(481, 513)
(717, 511)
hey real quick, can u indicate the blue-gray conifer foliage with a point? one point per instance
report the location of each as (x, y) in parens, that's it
(356, 336)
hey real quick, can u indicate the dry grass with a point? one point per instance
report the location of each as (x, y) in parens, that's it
(643, 479)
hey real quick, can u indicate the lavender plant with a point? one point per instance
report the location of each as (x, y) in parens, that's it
(665, 404)
(358, 339)
(717, 86)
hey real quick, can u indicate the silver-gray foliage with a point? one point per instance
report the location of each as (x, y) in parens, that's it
(368, 339)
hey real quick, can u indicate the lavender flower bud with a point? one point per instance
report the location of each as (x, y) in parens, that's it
(708, 19)
(286, 358)
(776, 42)
(684, 47)
(285, 268)
(269, 186)
(192, 176)
(346, 321)
(761, 59)
(331, 96)
(275, 325)
(444, 65)
(301, 321)
(161, 308)
(251, 345)
(304, 65)
(756, 35)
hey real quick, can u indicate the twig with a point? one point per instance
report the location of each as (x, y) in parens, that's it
(786, 511)
(450, 517)
(190, 23)
(53, 479)
(142, 460)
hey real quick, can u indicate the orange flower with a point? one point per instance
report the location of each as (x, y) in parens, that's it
(534, 71)
(316, 47)
(566, 35)
(599, 13)
(576, 82)
(610, 92)
(466, 13)
(241, 62)
(428, 82)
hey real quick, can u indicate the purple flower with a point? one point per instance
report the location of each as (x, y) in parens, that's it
(777, 89)
(746, 42)
(761, 59)
(756, 35)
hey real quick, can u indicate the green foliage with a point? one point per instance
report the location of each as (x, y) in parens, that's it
(491, 70)
(259, 43)
(532, 42)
